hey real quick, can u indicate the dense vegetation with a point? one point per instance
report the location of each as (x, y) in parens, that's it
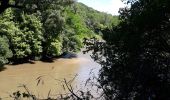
(135, 55)
(33, 29)
(135, 58)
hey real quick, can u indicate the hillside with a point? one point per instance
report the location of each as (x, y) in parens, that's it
(50, 30)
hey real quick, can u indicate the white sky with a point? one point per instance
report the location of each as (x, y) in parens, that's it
(108, 6)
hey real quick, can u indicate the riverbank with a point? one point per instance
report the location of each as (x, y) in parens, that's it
(65, 55)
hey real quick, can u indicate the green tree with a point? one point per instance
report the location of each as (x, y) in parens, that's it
(47, 28)
(75, 30)
(5, 52)
(55, 48)
(31, 5)
(24, 33)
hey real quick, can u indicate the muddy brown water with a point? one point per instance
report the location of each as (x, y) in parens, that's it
(51, 76)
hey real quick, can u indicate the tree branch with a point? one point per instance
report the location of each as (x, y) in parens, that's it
(5, 4)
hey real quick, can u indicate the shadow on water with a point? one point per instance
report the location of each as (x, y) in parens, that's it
(23, 62)
(46, 59)
(2, 69)
(65, 55)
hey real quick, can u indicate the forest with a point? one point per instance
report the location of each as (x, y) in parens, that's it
(134, 54)
(34, 30)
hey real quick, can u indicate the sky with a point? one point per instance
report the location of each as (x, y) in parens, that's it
(108, 6)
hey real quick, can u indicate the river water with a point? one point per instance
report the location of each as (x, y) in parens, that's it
(42, 77)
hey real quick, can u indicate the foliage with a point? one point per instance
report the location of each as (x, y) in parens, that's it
(47, 28)
(5, 52)
(135, 57)
(53, 26)
(32, 5)
(84, 22)
(75, 31)
(25, 36)
(95, 20)
(55, 48)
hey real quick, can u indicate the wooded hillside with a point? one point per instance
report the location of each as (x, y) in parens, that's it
(45, 29)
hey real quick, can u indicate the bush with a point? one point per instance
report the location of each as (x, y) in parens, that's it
(55, 48)
(5, 52)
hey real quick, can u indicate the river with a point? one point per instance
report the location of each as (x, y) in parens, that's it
(42, 77)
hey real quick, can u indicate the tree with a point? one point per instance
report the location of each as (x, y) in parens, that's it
(135, 57)
(47, 28)
(5, 52)
(4, 4)
(31, 4)
(24, 33)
